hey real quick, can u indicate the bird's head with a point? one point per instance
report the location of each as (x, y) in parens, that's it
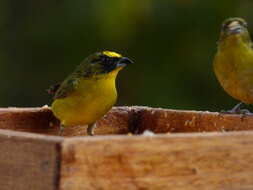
(234, 29)
(103, 63)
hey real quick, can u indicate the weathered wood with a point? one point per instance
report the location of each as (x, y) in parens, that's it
(122, 120)
(164, 120)
(206, 161)
(28, 161)
(41, 120)
(35, 120)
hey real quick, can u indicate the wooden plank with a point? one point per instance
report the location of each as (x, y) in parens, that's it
(122, 120)
(35, 120)
(41, 120)
(164, 121)
(206, 161)
(28, 161)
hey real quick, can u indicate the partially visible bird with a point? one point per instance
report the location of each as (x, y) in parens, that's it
(89, 92)
(233, 63)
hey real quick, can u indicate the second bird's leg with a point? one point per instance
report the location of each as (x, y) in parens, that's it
(90, 129)
(237, 110)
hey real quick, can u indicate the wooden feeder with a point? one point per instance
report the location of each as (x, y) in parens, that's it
(195, 151)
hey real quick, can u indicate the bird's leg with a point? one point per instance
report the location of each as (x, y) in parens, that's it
(61, 130)
(237, 110)
(90, 129)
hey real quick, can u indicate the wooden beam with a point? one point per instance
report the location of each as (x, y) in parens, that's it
(42, 121)
(122, 120)
(28, 161)
(35, 120)
(206, 161)
(164, 121)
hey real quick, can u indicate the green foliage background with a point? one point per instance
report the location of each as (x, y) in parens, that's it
(172, 43)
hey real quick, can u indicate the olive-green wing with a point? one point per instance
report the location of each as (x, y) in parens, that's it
(66, 88)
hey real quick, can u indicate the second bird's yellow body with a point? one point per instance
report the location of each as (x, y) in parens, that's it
(90, 100)
(233, 66)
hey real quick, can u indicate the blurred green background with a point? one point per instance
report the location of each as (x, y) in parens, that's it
(172, 43)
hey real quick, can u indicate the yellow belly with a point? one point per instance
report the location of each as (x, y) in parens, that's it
(91, 100)
(234, 71)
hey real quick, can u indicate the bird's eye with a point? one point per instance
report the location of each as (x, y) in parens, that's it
(225, 25)
(229, 23)
(115, 59)
(244, 24)
(104, 59)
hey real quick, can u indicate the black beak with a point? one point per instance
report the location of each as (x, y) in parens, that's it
(235, 29)
(124, 61)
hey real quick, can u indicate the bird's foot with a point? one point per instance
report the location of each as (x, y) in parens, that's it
(237, 110)
(90, 129)
(241, 111)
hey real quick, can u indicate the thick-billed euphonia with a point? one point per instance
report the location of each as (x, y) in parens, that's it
(89, 92)
(233, 63)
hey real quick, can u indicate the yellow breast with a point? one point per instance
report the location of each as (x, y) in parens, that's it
(233, 67)
(92, 99)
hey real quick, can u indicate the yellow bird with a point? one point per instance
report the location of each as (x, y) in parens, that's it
(89, 92)
(233, 63)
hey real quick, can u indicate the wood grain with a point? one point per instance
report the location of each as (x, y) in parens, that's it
(42, 121)
(28, 161)
(122, 120)
(35, 120)
(206, 161)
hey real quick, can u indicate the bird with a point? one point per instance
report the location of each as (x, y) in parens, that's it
(89, 92)
(233, 62)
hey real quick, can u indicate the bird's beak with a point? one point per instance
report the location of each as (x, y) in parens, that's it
(234, 28)
(124, 61)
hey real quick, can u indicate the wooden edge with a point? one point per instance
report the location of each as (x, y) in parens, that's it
(181, 161)
(29, 161)
(151, 136)
(123, 120)
(29, 136)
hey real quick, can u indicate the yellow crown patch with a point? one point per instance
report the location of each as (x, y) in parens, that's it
(111, 54)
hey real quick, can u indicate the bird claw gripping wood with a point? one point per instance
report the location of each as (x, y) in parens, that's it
(237, 110)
